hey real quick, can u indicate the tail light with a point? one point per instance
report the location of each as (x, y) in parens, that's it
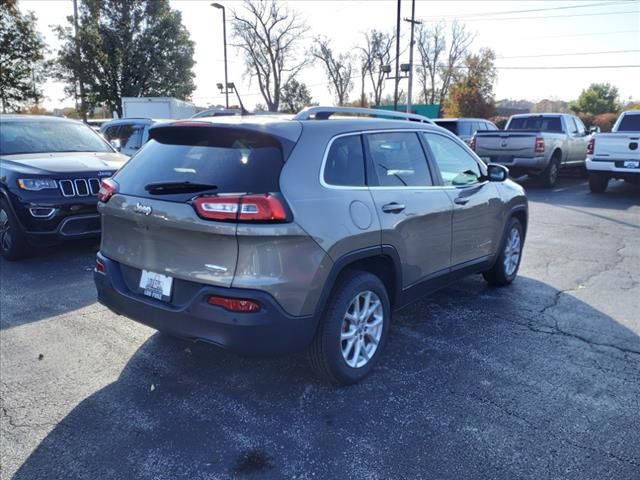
(107, 188)
(100, 266)
(472, 143)
(591, 146)
(241, 305)
(539, 146)
(243, 208)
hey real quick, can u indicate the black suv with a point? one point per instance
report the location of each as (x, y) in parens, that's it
(50, 173)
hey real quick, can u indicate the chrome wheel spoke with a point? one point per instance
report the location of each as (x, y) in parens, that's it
(361, 329)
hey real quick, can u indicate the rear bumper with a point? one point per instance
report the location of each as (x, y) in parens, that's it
(614, 167)
(525, 163)
(269, 331)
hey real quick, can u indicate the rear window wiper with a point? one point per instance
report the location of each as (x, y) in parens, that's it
(166, 188)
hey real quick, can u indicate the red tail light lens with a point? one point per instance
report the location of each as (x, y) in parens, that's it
(591, 146)
(100, 266)
(241, 305)
(472, 143)
(107, 188)
(244, 208)
(539, 146)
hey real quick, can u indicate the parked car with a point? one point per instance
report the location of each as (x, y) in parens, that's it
(615, 154)
(465, 128)
(96, 123)
(127, 135)
(536, 144)
(51, 172)
(267, 235)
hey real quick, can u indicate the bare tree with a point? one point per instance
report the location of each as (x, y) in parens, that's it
(431, 44)
(267, 34)
(377, 52)
(365, 65)
(440, 60)
(337, 66)
(459, 45)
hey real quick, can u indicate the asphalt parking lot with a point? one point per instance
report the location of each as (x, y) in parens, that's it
(538, 380)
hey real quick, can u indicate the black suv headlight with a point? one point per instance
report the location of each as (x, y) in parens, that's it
(37, 183)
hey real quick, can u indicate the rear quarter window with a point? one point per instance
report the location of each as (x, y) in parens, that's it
(234, 160)
(344, 165)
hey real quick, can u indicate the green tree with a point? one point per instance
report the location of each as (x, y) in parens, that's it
(472, 95)
(599, 98)
(22, 52)
(294, 97)
(126, 48)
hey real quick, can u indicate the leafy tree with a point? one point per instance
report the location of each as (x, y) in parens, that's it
(22, 52)
(268, 35)
(472, 95)
(597, 99)
(126, 48)
(338, 68)
(295, 96)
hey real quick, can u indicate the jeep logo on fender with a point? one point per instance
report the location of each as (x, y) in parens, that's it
(143, 209)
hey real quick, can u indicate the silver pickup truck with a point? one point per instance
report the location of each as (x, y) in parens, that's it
(615, 154)
(536, 144)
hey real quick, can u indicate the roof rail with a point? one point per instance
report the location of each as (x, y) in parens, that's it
(323, 113)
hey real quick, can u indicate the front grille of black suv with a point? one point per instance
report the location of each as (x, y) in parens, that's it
(79, 187)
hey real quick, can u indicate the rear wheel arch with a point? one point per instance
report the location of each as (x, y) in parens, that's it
(383, 262)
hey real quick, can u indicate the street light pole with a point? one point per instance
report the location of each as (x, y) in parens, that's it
(224, 35)
(397, 79)
(413, 23)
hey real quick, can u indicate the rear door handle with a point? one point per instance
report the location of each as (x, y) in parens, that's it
(461, 200)
(393, 207)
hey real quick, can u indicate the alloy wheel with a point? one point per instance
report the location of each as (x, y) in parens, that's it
(361, 329)
(512, 251)
(6, 240)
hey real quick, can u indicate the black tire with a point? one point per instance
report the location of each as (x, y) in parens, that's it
(549, 175)
(598, 182)
(325, 353)
(13, 243)
(500, 275)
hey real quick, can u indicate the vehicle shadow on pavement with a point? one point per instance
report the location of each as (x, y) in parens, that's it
(476, 382)
(50, 283)
(574, 192)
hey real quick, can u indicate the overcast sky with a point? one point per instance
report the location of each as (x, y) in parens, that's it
(532, 31)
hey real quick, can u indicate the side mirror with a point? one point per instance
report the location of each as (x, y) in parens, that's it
(115, 143)
(497, 173)
(594, 129)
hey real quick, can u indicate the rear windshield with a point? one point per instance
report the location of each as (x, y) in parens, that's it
(227, 160)
(629, 123)
(48, 137)
(541, 124)
(451, 126)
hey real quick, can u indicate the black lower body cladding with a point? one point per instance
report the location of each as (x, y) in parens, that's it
(270, 331)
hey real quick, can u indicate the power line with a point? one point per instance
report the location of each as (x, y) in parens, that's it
(580, 67)
(579, 35)
(509, 12)
(569, 54)
(496, 19)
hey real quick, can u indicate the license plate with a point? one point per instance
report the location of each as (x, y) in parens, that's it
(156, 285)
(631, 164)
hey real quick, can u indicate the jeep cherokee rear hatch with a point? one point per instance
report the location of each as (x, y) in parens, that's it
(174, 208)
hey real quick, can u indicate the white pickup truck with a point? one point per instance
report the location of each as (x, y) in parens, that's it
(615, 154)
(538, 144)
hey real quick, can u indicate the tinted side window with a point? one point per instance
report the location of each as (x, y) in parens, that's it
(345, 162)
(111, 132)
(457, 166)
(398, 159)
(466, 128)
(130, 135)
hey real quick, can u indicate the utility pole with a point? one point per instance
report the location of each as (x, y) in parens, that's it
(83, 110)
(397, 79)
(224, 35)
(413, 23)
